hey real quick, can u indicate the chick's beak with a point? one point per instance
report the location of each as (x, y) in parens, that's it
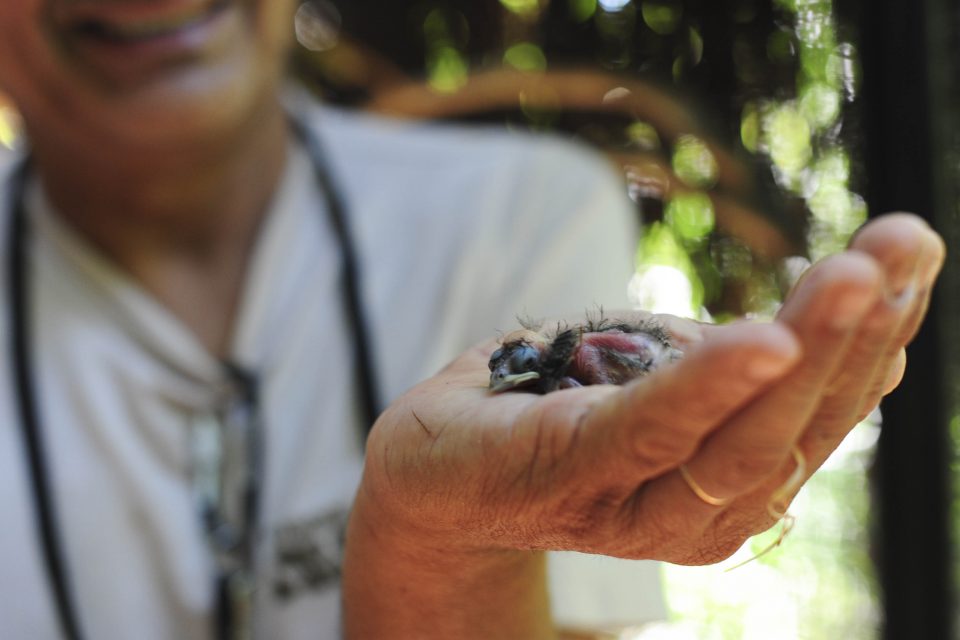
(502, 381)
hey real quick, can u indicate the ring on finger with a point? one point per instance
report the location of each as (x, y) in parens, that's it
(698, 490)
(782, 494)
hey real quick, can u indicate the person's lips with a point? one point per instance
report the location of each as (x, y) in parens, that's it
(134, 30)
(127, 39)
(126, 20)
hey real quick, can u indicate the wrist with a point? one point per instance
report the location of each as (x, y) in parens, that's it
(406, 580)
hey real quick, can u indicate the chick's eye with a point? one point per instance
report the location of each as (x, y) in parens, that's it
(495, 358)
(524, 358)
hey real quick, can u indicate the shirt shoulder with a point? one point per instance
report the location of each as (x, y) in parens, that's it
(470, 226)
(458, 159)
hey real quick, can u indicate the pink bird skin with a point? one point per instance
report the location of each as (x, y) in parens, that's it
(596, 352)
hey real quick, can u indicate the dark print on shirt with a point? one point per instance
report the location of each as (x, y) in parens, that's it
(308, 554)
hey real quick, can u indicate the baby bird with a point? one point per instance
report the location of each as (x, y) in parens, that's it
(596, 352)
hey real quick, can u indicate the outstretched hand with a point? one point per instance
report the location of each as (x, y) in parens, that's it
(461, 486)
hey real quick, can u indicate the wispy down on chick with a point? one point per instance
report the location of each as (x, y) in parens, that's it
(595, 352)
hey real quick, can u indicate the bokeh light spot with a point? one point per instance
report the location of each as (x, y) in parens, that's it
(820, 104)
(522, 7)
(788, 138)
(661, 288)
(317, 25)
(662, 16)
(693, 162)
(643, 135)
(525, 56)
(582, 10)
(447, 70)
(750, 128)
(690, 216)
(666, 279)
(612, 6)
(696, 47)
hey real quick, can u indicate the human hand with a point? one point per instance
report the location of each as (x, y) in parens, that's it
(850, 382)
(457, 481)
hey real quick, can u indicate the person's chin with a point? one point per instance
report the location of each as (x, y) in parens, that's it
(203, 97)
(192, 105)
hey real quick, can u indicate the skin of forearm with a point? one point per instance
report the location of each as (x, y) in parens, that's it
(397, 585)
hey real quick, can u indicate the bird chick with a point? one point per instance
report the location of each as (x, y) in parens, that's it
(596, 352)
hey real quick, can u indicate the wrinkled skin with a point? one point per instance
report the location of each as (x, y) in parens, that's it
(463, 488)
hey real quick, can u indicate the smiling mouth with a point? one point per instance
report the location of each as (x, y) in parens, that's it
(131, 31)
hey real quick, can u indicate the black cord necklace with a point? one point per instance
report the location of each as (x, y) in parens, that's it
(26, 396)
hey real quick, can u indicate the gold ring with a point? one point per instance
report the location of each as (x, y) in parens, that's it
(782, 494)
(698, 490)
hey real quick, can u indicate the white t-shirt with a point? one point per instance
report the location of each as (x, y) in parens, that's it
(457, 231)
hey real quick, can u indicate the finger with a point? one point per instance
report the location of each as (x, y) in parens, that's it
(858, 384)
(895, 373)
(655, 423)
(683, 332)
(858, 387)
(824, 313)
(890, 370)
(932, 260)
(892, 239)
(911, 255)
(875, 346)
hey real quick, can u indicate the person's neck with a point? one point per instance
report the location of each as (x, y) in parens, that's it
(181, 223)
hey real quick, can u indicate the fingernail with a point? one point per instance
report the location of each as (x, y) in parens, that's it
(931, 268)
(902, 299)
(902, 281)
